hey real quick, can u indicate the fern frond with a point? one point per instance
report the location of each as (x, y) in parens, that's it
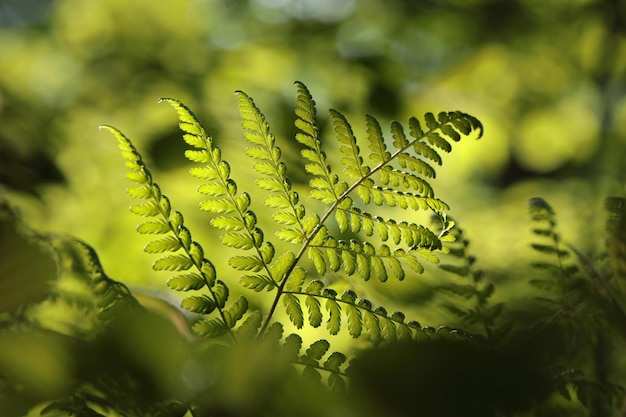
(326, 185)
(549, 243)
(110, 294)
(361, 315)
(236, 219)
(352, 160)
(383, 184)
(182, 252)
(473, 288)
(274, 172)
(399, 179)
(315, 361)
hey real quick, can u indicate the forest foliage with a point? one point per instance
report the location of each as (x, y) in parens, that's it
(319, 201)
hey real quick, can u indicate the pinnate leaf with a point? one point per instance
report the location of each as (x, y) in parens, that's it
(186, 282)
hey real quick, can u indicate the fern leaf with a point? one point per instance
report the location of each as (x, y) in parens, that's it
(327, 186)
(379, 153)
(316, 255)
(153, 228)
(306, 113)
(388, 328)
(257, 282)
(186, 282)
(282, 265)
(246, 263)
(201, 304)
(314, 288)
(291, 347)
(294, 311)
(355, 319)
(235, 312)
(172, 223)
(257, 132)
(221, 293)
(168, 244)
(315, 352)
(352, 160)
(334, 316)
(372, 327)
(315, 312)
(173, 263)
(249, 329)
(212, 328)
(335, 361)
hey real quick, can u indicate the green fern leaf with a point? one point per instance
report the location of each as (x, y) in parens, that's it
(370, 322)
(145, 210)
(395, 266)
(153, 228)
(212, 328)
(249, 329)
(335, 361)
(221, 293)
(355, 321)
(431, 122)
(342, 220)
(142, 192)
(236, 311)
(257, 282)
(237, 240)
(413, 263)
(228, 223)
(315, 352)
(291, 347)
(379, 153)
(334, 316)
(306, 117)
(168, 244)
(315, 287)
(272, 334)
(246, 263)
(267, 252)
(336, 383)
(352, 161)
(315, 312)
(388, 328)
(290, 235)
(201, 304)
(186, 282)
(282, 265)
(317, 257)
(294, 311)
(173, 263)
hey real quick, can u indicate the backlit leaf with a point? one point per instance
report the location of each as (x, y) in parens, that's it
(172, 263)
(315, 313)
(201, 304)
(186, 282)
(257, 282)
(294, 311)
(168, 244)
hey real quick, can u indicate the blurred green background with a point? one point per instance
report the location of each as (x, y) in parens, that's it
(546, 78)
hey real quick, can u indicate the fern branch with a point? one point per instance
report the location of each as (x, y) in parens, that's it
(336, 193)
(360, 312)
(226, 198)
(159, 206)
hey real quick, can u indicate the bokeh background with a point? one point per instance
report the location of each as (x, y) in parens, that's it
(546, 78)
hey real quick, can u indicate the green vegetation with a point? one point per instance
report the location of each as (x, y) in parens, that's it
(243, 357)
(329, 270)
